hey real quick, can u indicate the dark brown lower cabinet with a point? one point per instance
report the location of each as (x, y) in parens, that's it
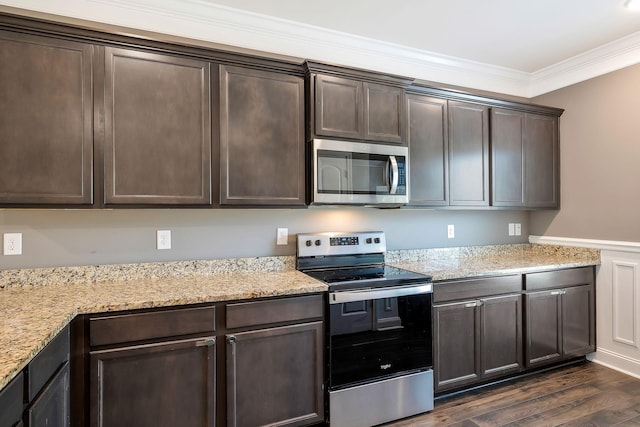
(155, 385)
(274, 376)
(560, 324)
(52, 408)
(476, 340)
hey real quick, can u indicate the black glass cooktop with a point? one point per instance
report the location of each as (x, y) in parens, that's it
(367, 277)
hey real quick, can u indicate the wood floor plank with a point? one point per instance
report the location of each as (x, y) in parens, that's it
(580, 395)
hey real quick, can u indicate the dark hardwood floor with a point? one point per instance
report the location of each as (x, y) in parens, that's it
(579, 395)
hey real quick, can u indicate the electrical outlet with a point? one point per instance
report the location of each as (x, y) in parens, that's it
(282, 236)
(451, 231)
(518, 229)
(13, 243)
(163, 239)
(512, 229)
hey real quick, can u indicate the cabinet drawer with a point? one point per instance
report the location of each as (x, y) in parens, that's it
(11, 402)
(254, 313)
(47, 362)
(152, 325)
(476, 288)
(559, 278)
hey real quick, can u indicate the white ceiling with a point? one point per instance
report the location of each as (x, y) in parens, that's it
(522, 35)
(516, 47)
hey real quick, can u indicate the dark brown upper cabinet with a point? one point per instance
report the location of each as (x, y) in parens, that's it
(46, 123)
(428, 141)
(524, 149)
(356, 104)
(261, 138)
(157, 113)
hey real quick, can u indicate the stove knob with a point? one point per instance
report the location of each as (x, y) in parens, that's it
(368, 240)
(377, 240)
(318, 242)
(308, 243)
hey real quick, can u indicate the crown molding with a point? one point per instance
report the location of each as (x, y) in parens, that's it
(206, 21)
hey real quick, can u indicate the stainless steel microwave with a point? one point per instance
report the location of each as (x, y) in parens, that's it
(355, 173)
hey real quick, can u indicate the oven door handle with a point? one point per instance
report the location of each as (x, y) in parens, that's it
(371, 294)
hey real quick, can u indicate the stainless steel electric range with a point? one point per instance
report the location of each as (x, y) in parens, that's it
(379, 342)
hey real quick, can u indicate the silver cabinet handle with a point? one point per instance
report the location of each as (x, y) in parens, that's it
(393, 175)
(371, 294)
(231, 381)
(208, 342)
(556, 292)
(473, 304)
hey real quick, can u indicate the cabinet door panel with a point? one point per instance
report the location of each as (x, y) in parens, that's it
(52, 407)
(261, 138)
(468, 154)
(541, 161)
(339, 107)
(157, 129)
(383, 113)
(428, 150)
(578, 320)
(156, 385)
(501, 335)
(456, 345)
(274, 376)
(544, 331)
(46, 122)
(507, 149)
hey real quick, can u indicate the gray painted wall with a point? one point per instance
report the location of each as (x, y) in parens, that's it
(600, 159)
(77, 237)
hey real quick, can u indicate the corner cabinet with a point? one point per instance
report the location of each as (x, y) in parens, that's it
(157, 118)
(46, 121)
(261, 138)
(560, 315)
(524, 153)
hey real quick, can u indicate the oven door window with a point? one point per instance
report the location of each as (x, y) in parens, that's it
(357, 173)
(370, 340)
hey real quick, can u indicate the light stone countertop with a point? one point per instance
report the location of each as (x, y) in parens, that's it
(36, 304)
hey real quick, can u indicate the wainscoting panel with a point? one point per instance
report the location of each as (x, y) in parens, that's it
(625, 308)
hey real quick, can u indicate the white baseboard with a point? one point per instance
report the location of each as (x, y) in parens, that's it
(616, 361)
(609, 245)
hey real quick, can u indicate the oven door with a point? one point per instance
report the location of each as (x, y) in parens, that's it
(356, 173)
(379, 333)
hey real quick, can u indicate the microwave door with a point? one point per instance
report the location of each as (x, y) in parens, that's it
(334, 173)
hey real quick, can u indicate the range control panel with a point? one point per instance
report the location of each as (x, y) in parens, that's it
(341, 243)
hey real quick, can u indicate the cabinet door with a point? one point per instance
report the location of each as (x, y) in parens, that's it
(157, 129)
(52, 408)
(541, 162)
(46, 121)
(578, 320)
(383, 113)
(501, 335)
(456, 344)
(428, 150)
(507, 158)
(274, 376)
(468, 154)
(165, 384)
(11, 402)
(544, 327)
(339, 107)
(261, 138)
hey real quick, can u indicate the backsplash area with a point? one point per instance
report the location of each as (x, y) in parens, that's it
(54, 238)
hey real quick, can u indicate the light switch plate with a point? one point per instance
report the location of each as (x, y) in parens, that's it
(451, 231)
(512, 229)
(13, 243)
(518, 229)
(163, 239)
(282, 236)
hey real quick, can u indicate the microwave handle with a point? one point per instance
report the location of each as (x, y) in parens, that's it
(393, 175)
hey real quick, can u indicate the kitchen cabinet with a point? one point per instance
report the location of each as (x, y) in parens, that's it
(46, 121)
(560, 315)
(468, 154)
(428, 139)
(448, 152)
(524, 153)
(477, 331)
(261, 138)
(153, 368)
(356, 105)
(157, 129)
(11, 404)
(275, 370)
